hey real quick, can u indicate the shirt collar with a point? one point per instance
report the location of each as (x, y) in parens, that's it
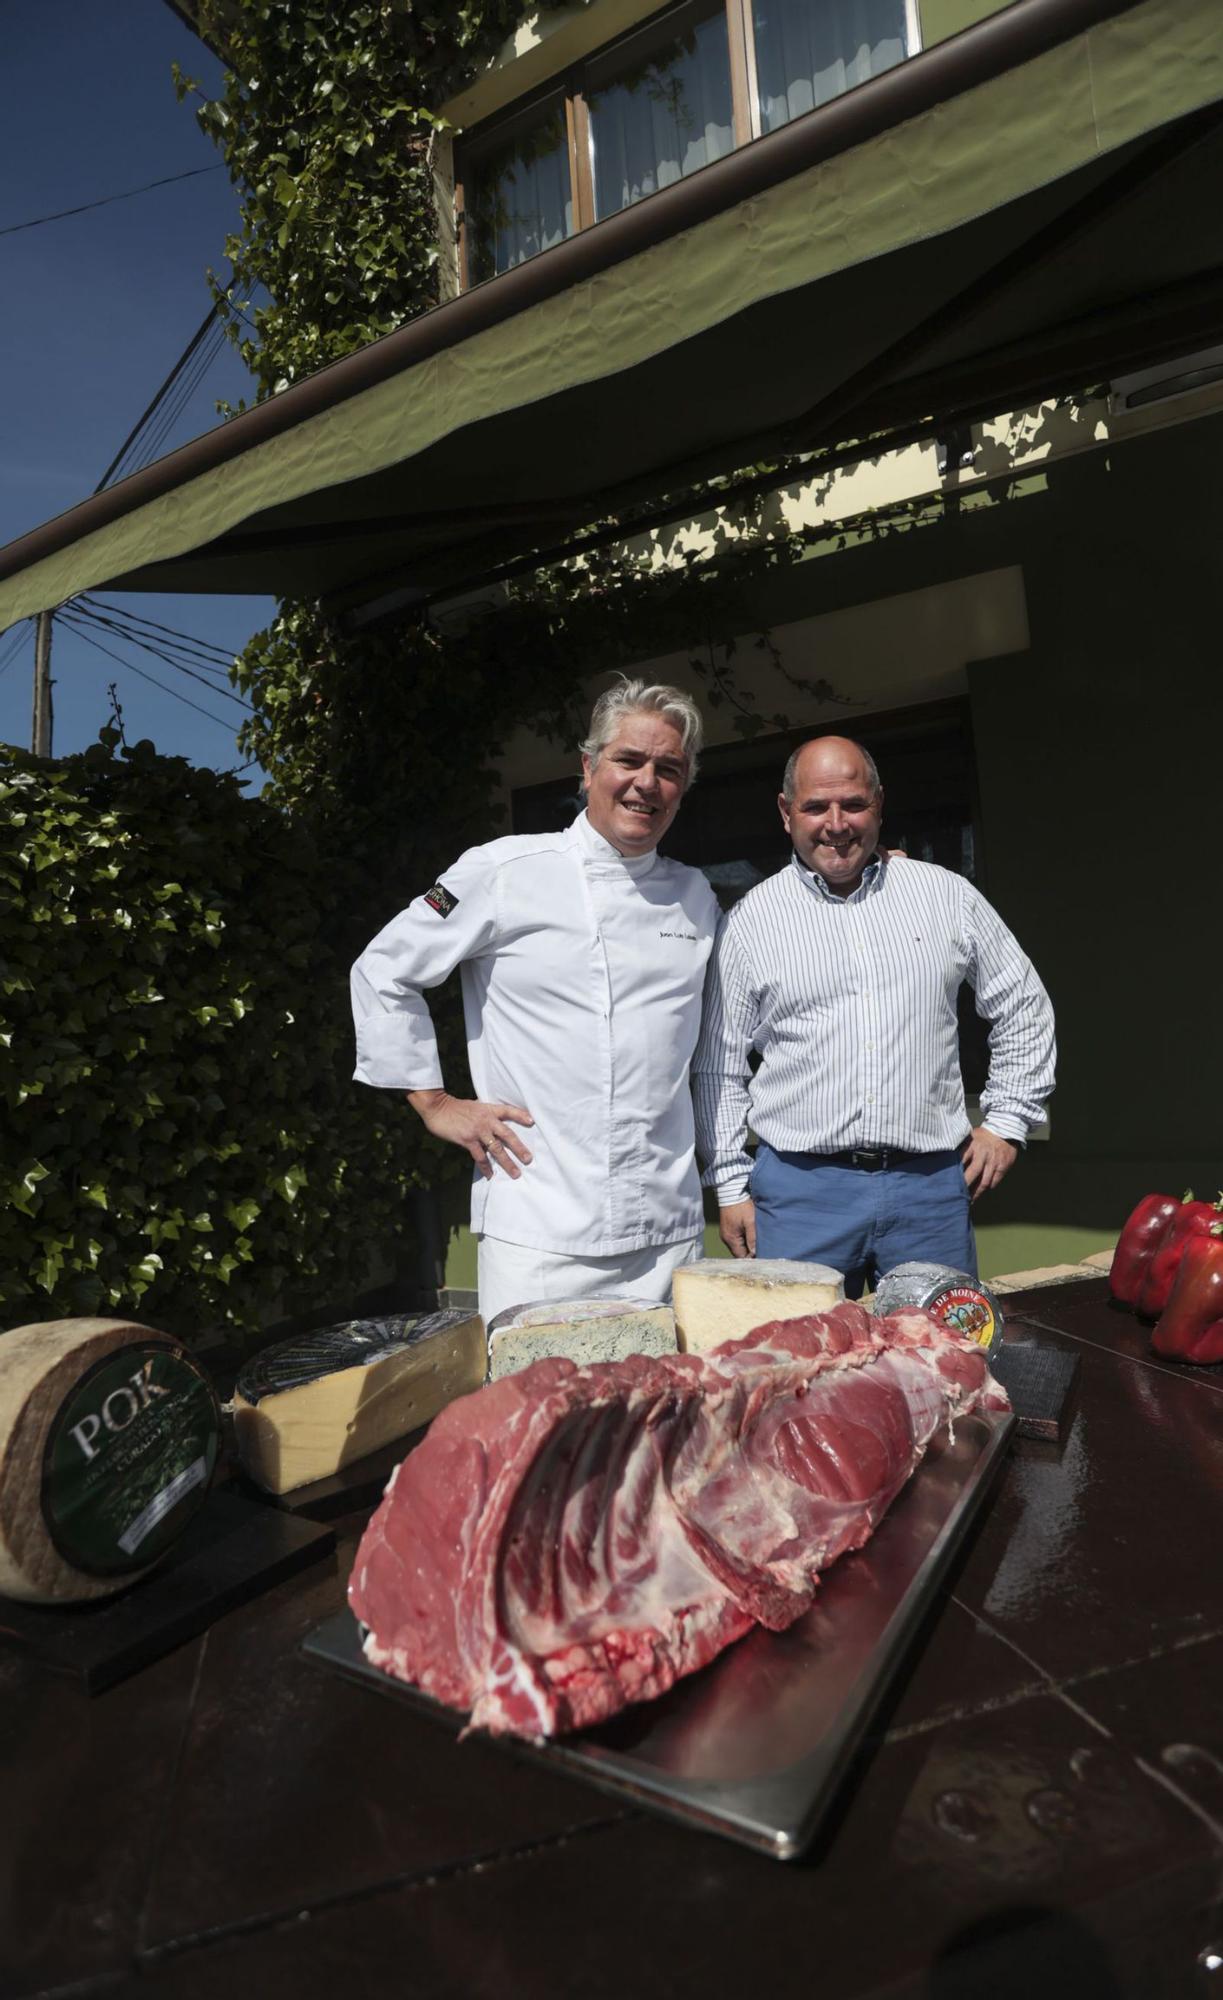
(872, 878)
(601, 855)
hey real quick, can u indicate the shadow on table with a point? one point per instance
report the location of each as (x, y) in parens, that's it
(1016, 1953)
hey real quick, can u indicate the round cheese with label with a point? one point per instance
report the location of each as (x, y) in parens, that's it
(959, 1302)
(109, 1434)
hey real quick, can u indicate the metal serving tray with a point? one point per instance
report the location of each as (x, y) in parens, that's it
(754, 1746)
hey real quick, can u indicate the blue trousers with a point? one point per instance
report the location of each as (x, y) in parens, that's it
(863, 1223)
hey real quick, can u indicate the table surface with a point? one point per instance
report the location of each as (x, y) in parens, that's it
(1040, 1805)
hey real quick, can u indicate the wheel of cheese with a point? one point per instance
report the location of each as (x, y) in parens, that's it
(952, 1297)
(308, 1407)
(581, 1330)
(108, 1439)
(723, 1298)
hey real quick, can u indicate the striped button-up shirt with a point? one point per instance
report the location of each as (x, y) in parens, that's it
(851, 1003)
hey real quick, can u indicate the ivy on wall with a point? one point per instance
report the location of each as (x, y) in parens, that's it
(327, 123)
(181, 1137)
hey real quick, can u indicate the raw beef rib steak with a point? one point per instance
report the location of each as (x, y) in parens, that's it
(572, 1539)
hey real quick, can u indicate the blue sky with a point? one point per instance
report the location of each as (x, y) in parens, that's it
(96, 310)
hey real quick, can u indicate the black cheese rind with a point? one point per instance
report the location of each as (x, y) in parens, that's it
(350, 1343)
(306, 1408)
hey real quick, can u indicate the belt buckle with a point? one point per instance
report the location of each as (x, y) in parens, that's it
(871, 1159)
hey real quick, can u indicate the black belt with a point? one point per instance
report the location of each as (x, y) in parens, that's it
(870, 1159)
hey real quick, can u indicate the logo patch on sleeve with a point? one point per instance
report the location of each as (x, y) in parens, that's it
(441, 900)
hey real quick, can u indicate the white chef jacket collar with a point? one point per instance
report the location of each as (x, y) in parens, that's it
(605, 858)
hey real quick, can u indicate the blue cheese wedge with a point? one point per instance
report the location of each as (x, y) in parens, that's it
(308, 1407)
(581, 1330)
(722, 1298)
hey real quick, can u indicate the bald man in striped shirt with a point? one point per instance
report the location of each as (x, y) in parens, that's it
(842, 972)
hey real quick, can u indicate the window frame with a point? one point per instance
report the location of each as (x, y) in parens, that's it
(574, 84)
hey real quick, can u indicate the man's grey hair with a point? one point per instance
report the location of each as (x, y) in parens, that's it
(637, 698)
(790, 775)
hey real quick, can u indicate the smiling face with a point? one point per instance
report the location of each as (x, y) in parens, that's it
(634, 790)
(834, 817)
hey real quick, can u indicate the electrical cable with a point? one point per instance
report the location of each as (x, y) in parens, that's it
(158, 654)
(14, 228)
(175, 404)
(135, 618)
(134, 433)
(18, 642)
(172, 655)
(184, 653)
(132, 668)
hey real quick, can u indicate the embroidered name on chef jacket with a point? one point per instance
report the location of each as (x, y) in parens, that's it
(441, 900)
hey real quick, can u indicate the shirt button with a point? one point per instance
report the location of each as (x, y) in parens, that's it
(870, 1097)
(870, 1045)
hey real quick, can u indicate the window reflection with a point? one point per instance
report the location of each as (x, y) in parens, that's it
(663, 118)
(809, 51)
(521, 202)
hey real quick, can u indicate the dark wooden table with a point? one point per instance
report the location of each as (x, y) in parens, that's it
(1039, 1811)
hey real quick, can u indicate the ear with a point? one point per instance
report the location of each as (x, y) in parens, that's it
(783, 807)
(587, 768)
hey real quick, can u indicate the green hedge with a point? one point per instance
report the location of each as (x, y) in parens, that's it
(181, 1133)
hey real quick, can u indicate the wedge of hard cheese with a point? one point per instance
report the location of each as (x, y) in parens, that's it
(310, 1406)
(108, 1438)
(581, 1330)
(722, 1298)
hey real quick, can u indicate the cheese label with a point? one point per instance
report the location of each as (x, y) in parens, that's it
(128, 1459)
(966, 1311)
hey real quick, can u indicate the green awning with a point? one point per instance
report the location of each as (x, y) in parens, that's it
(1033, 205)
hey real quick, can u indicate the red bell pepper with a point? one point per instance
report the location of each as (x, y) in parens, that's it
(1192, 1219)
(1137, 1244)
(1191, 1327)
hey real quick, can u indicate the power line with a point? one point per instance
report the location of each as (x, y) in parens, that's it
(132, 668)
(168, 650)
(176, 403)
(177, 399)
(172, 655)
(151, 624)
(146, 418)
(164, 657)
(37, 222)
(13, 651)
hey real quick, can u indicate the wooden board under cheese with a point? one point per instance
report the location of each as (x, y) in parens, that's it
(308, 1406)
(108, 1438)
(581, 1330)
(722, 1298)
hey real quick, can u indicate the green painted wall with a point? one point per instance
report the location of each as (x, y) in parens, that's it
(1098, 763)
(940, 18)
(1098, 756)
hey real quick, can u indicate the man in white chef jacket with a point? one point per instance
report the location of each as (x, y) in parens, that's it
(582, 957)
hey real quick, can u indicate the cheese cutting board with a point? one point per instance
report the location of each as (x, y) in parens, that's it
(754, 1747)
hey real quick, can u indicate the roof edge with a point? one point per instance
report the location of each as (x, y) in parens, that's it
(1001, 42)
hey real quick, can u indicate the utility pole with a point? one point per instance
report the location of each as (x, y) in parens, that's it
(41, 741)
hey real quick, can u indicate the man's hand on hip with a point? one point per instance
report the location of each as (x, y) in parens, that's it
(481, 1128)
(737, 1227)
(986, 1160)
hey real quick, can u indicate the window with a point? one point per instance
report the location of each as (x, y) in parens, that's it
(808, 51)
(668, 98)
(521, 201)
(665, 115)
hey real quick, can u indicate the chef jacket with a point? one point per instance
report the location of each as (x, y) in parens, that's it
(581, 971)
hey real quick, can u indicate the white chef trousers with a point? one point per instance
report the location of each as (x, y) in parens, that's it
(512, 1274)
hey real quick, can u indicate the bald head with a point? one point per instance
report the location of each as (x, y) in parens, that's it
(831, 805)
(840, 743)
